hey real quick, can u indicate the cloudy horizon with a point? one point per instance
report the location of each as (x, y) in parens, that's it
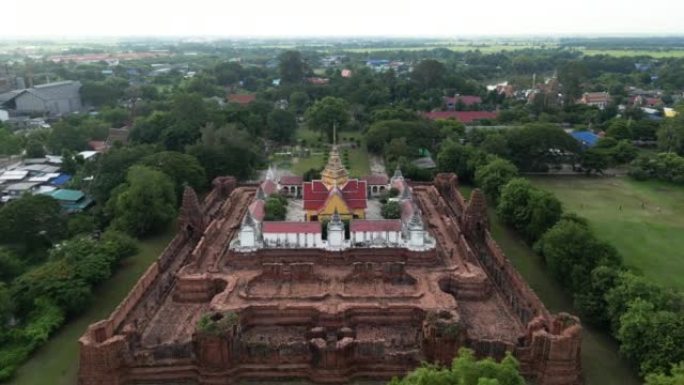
(351, 18)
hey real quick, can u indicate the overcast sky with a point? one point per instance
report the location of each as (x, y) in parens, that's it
(452, 18)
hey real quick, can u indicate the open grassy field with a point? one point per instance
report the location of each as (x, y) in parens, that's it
(676, 53)
(601, 362)
(484, 48)
(56, 363)
(489, 48)
(643, 220)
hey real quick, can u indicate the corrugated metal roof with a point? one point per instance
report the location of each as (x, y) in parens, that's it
(67, 195)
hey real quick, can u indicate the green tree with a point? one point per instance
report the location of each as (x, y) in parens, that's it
(572, 252)
(10, 265)
(429, 73)
(591, 301)
(281, 126)
(529, 210)
(494, 175)
(651, 338)
(299, 101)
(466, 370)
(35, 148)
(619, 129)
(32, 222)
(56, 281)
(81, 223)
(116, 117)
(181, 168)
(227, 151)
(534, 146)
(111, 168)
(391, 210)
(275, 208)
(326, 113)
(292, 67)
(10, 144)
(145, 203)
(66, 135)
(460, 159)
(671, 135)
(397, 148)
(149, 129)
(228, 73)
(675, 378)
(571, 75)
(6, 309)
(595, 160)
(629, 286)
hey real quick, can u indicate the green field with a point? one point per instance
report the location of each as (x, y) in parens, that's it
(601, 362)
(484, 48)
(494, 48)
(643, 220)
(56, 363)
(676, 53)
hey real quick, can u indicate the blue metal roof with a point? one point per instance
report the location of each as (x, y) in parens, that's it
(587, 138)
(60, 180)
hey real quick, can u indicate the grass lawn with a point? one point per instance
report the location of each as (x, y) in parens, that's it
(56, 363)
(601, 362)
(649, 237)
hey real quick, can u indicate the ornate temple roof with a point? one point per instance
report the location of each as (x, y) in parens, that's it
(334, 172)
(316, 193)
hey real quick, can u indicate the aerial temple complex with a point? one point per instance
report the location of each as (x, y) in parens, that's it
(333, 294)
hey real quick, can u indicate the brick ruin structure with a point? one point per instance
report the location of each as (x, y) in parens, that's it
(326, 316)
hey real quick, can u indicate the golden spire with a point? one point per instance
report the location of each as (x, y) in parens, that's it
(334, 174)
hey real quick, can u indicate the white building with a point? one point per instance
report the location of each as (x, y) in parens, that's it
(292, 234)
(375, 232)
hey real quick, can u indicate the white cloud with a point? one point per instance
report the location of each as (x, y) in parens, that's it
(452, 18)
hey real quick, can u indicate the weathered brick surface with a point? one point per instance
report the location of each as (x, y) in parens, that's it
(324, 316)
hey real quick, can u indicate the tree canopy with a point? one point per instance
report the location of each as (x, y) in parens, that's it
(145, 203)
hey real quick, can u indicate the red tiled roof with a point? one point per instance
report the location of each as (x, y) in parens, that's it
(467, 100)
(290, 180)
(97, 145)
(375, 225)
(290, 227)
(241, 98)
(464, 117)
(258, 210)
(317, 80)
(315, 194)
(376, 179)
(653, 101)
(269, 187)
